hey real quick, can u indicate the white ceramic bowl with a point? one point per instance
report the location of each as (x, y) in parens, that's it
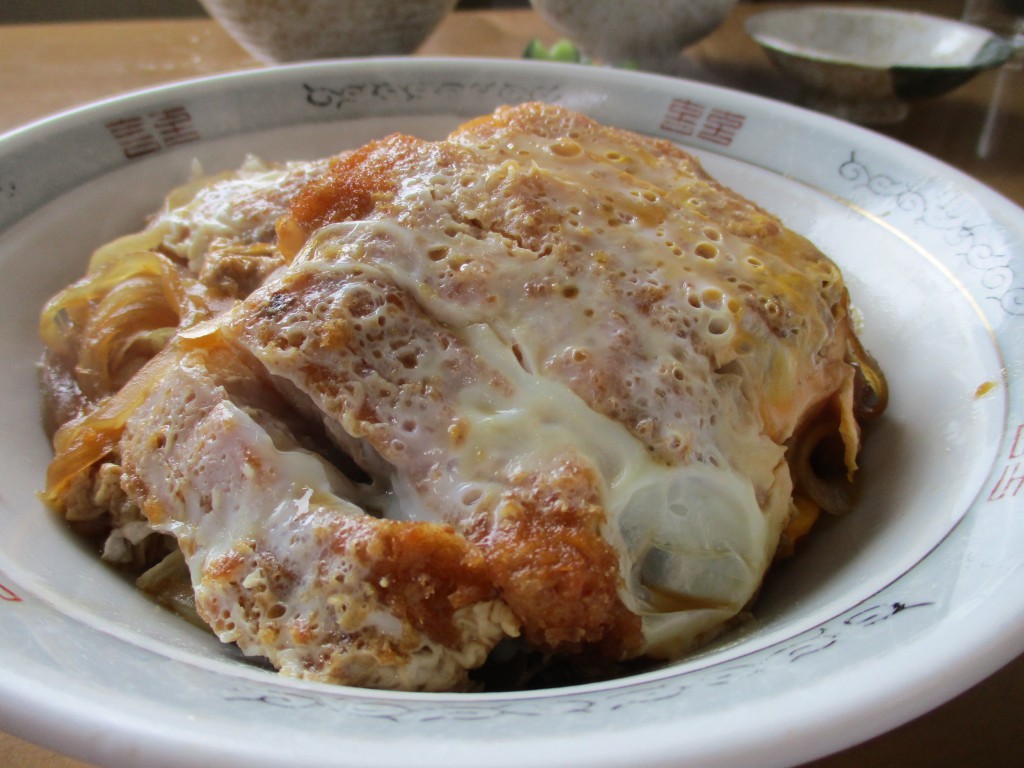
(647, 33)
(284, 30)
(865, 64)
(888, 611)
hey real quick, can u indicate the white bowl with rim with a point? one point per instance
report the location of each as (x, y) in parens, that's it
(888, 611)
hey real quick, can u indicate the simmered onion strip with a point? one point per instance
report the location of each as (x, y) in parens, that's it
(823, 455)
(80, 444)
(870, 390)
(170, 585)
(817, 461)
(115, 319)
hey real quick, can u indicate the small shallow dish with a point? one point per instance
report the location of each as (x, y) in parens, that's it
(866, 64)
(887, 612)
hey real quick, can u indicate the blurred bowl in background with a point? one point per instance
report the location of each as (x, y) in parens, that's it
(296, 30)
(646, 33)
(866, 64)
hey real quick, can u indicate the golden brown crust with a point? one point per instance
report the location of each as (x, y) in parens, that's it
(355, 183)
(425, 573)
(555, 568)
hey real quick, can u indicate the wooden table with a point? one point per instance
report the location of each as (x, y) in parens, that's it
(51, 67)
